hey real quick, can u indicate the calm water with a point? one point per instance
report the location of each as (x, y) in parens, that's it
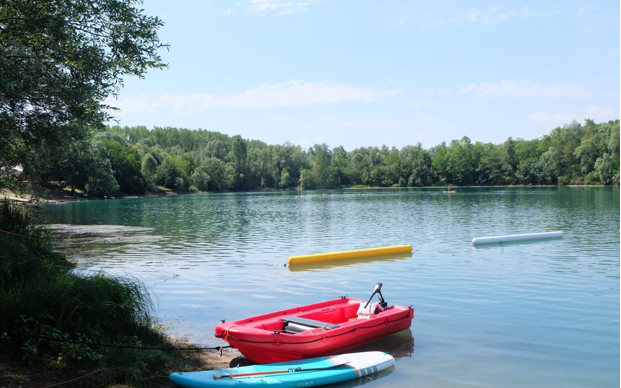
(538, 314)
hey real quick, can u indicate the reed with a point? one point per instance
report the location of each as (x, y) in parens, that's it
(57, 317)
(23, 221)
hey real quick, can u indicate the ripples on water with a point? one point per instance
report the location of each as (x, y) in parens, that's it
(530, 314)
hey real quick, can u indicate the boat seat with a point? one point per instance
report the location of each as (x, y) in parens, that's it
(298, 325)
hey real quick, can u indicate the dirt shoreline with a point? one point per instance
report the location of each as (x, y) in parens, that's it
(38, 194)
(18, 374)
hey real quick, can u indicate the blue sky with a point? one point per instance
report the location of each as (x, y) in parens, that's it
(357, 73)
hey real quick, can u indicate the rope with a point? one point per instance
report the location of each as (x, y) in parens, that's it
(218, 348)
(15, 234)
(77, 378)
(226, 335)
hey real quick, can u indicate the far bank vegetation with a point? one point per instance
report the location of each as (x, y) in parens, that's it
(136, 161)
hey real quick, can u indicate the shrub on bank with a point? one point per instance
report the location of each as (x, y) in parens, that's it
(57, 317)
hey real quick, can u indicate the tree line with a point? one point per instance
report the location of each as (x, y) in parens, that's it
(135, 160)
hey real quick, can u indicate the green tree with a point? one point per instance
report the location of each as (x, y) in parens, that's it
(88, 163)
(125, 163)
(239, 151)
(216, 170)
(292, 158)
(168, 172)
(59, 60)
(306, 179)
(549, 166)
(101, 181)
(565, 140)
(605, 169)
(339, 174)
(460, 162)
(200, 179)
(392, 164)
(148, 170)
(509, 161)
(439, 161)
(285, 179)
(216, 149)
(527, 154)
(180, 185)
(416, 166)
(321, 163)
(200, 159)
(83, 165)
(489, 161)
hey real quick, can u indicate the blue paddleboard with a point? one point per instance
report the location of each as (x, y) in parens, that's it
(302, 373)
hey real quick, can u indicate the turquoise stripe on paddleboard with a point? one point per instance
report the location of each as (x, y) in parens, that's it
(286, 380)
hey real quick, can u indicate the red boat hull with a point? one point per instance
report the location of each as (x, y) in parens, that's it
(265, 338)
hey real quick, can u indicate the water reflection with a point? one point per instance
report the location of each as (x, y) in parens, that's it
(398, 345)
(364, 380)
(523, 243)
(535, 313)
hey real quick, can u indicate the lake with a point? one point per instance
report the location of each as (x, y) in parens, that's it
(532, 314)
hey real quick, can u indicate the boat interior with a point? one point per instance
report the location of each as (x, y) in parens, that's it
(325, 317)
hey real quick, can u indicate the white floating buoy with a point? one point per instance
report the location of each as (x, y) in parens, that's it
(516, 237)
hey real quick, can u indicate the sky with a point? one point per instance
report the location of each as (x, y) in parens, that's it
(362, 73)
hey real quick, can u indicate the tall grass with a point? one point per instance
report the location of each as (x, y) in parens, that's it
(23, 221)
(53, 315)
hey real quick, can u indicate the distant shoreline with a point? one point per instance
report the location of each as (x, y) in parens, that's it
(466, 187)
(63, 198)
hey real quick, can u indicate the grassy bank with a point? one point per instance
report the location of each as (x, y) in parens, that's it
(57, 320)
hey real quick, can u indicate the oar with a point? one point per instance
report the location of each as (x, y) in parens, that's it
(290, 370)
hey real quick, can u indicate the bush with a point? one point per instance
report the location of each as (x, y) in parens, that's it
(52, 315)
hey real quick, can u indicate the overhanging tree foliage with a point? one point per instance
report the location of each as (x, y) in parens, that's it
(59, 61)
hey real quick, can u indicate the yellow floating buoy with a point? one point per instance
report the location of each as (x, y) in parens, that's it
(327, 265)
(319, 257)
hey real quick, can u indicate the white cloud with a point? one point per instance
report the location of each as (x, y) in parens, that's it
(279, 7)
(552, 120)
(347, 132)
(401, 20)
(489, 16)
(334, 122)
(496, 15)
(526, 88)
(596, 113)
(601, 113)
(283, 95)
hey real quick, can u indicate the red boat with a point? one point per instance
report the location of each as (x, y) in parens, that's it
(315, 330)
